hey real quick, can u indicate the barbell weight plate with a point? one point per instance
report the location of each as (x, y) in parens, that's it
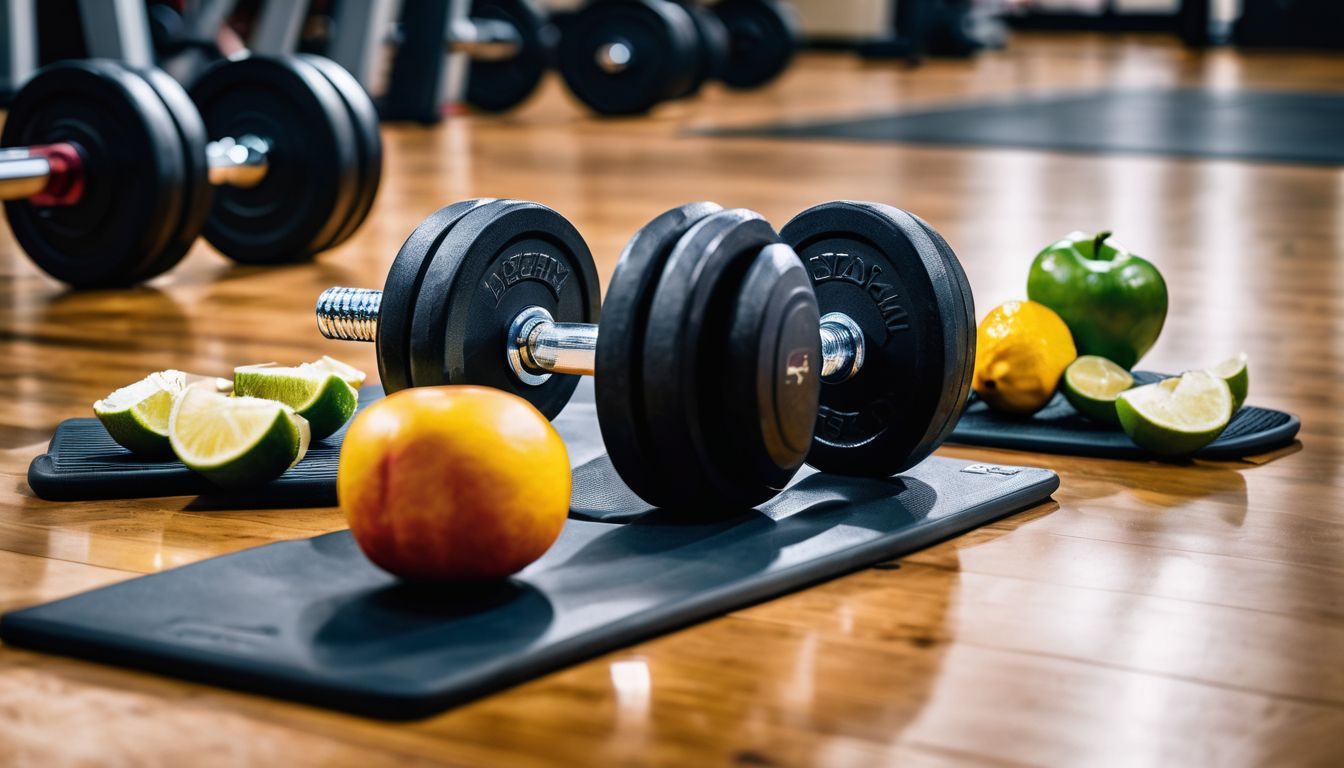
(620, 345)
(966, 330)
(313, 168)
(134, 172)
(763, 37)
(197, 194)
(771, 376)
(368, 142)
(402, 288)
(659, 38)
(880, 267)
(500, 258)
(712, 49)
(496, 86)
(684, 340)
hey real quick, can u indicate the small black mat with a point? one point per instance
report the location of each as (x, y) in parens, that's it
(313, 620)
(82, 463)
(1271, 126)
(1058, 428)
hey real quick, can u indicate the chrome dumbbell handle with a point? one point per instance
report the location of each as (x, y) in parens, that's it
(24, 172)
(615, 57)
(349, 314)
(239, 162)
(842, 347)
(484, 39)
(52, 174)
(537, 346)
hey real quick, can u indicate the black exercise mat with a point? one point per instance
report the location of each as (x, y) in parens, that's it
(82, 463)
(1058, 428)
(313, 620)
(1271, 126)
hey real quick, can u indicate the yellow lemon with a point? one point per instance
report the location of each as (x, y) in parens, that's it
(1022, 348)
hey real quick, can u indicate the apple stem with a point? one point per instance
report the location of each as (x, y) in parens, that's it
(1097, 243)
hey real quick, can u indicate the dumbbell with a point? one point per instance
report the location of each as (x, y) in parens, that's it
(624, 57)
(511, 44)
(743, 43)
(500, 48)
(108, 170)
(627, 56)
(324, 156)
(727, 353)
(763, 36)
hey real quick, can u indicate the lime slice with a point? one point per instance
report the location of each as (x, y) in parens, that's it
(1234, 372)
(1092, 383)
(236, 441)
(136, 416)
(351, 374)
(325, 399)
(1176, 417)
(324, 364)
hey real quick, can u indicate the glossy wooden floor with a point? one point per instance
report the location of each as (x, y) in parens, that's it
(1154, 614)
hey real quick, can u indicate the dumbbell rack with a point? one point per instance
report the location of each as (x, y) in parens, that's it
(120, 30)
(430, 67)
(426, 73)
(113, 29)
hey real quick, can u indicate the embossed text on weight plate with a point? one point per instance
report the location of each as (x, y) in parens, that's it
(531, 265)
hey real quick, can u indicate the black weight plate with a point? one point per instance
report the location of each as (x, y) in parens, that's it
(880, 267)
(966, 329)
(500, 258)
(402, 289)
(197, 194)
(134, 176)
(763, 37)
(689, 322)
(368, 142)
(661, 39)
(313, 168)
(496, 86)
(620, 345)
(713, 48)
(964, 308)
(771, 377)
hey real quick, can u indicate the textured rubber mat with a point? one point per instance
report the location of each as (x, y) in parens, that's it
(1271, 126)
(313, 620)
(1058, 428)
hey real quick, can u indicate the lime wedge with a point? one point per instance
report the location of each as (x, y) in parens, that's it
(136, 416)
(351, 374)
(1178, 416)
(324, 364)
(1092, 383)
(1234, 372)
(325, 399)
(236, 441)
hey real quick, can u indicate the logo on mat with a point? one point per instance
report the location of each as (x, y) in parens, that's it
(991, 469)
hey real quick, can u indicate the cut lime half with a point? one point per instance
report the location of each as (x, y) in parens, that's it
(1235, 373)
(1092, 383)
(325, 398)
(1178, 416)
(136, 416)
(236, 441)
